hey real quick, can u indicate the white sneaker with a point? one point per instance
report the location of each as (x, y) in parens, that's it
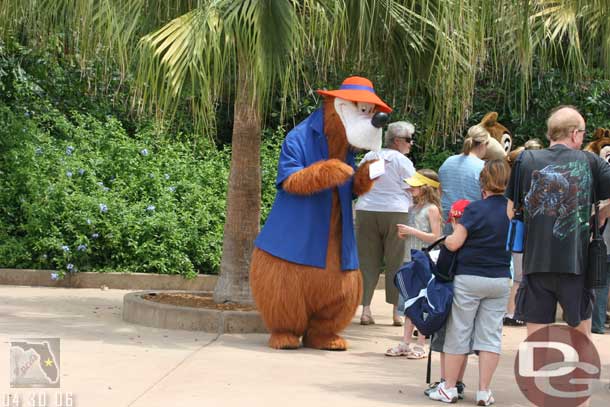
(484, 398)
(441, 393)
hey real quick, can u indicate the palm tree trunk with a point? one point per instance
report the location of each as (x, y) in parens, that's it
(243, 195)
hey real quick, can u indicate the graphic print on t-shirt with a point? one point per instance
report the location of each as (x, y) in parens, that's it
(562, 192)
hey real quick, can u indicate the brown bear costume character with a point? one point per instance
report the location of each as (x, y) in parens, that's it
(501, 139)
(304, 269)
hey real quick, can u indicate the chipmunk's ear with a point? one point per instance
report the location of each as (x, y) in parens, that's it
(490, 119)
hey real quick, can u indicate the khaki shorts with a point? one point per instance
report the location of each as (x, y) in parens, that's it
(477, 314)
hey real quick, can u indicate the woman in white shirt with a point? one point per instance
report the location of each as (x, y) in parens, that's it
(377, 214)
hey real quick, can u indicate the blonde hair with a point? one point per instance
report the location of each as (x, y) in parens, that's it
(533, 144)
(494, 176)
(477, 135)
(428, 193)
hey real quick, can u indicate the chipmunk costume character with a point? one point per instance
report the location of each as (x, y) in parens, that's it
(501, 140)
(600, 144)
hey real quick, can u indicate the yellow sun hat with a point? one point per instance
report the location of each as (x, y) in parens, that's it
(418, 180)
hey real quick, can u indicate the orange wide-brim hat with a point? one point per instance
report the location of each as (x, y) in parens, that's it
(357, 89)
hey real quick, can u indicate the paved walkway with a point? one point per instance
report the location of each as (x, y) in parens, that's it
(107, 362)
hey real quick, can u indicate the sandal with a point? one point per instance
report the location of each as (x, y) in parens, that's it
(402, 349)
(366, 319)
(417, 352)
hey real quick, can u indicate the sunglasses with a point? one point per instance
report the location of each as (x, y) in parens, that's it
(407, 139)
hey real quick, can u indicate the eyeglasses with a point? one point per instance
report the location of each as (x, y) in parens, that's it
(581, 130)
(407, 139)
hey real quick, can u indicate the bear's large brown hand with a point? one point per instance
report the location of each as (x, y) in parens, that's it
(362, 180)
(318, 177)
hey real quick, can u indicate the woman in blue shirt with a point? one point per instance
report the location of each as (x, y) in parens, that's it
(459, 174)
(481, 285)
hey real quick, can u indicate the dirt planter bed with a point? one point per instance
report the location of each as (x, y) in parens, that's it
(169, 310)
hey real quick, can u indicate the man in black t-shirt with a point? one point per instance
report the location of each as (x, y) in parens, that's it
(556, 193)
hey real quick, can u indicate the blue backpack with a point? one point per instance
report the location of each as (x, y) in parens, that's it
(428, 298)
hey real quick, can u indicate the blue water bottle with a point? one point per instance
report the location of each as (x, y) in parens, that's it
(519, 236)
(516, 235)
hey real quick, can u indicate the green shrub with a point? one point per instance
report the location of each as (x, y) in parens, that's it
(86, 196)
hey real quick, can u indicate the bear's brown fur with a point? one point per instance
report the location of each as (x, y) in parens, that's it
(302, 301)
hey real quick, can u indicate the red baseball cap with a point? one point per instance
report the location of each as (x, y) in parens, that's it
(457, 209)
(357, 89)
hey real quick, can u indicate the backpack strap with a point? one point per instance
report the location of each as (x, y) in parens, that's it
(596, 227)
(590, 159)
(434, 244)
(429, 368)
(517, 204)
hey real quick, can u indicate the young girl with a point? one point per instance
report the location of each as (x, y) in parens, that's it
(423, 228)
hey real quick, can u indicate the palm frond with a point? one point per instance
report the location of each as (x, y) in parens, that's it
(191, 49)
(197, 54)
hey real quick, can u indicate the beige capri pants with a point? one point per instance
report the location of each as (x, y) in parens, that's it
(379, 247)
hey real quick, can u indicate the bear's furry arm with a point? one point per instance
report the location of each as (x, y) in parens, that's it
(317, 177)
(362, 180)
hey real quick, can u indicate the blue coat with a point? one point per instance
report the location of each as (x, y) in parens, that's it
(298, 226)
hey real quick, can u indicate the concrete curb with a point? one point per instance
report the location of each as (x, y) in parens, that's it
(120, 281)
(139, 311)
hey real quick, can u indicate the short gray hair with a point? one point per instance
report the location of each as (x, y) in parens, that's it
(398, 130)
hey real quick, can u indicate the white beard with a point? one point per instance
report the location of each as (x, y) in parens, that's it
(359, 130)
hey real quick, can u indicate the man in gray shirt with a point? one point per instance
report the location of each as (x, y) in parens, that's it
(557, 188)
